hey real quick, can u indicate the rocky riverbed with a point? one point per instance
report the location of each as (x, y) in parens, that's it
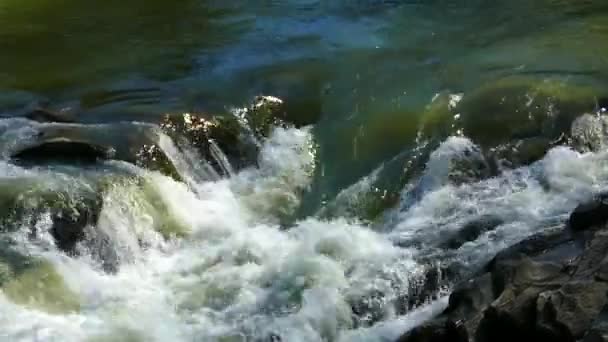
(552, 286)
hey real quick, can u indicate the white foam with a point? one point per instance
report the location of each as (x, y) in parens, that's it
(236, 273)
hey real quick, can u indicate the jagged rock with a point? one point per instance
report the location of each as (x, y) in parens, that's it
(151, 157)
(550, 287)
(589, 133)
(63, 149)
(264, 113)
(69, 222)
(471, 298)
(599, 329)
(70, 215)
(439, 331)
(206, 135)
(571, 309)
(589, 214)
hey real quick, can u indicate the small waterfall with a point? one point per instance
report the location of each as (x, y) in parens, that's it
(188, 163)
(220, 158)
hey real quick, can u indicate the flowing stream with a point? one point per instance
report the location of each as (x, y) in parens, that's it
(358, 216)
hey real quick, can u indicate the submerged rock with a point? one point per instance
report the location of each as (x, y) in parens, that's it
(68, 215)
(516, 119)
(552, 286)
(471, 231)
(520, 152)
(439, 331)
(36, 284)
(523, 107)
(69, 144)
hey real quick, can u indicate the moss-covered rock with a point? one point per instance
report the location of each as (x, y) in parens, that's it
(39, 286)
(206, 134)
(440, 118)
(589, 133)
(151, 157)
(522, 107)
(69, 212)
(263, 114)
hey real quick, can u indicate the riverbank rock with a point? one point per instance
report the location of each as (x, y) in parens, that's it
(591, 213)
(63, 150)
(552, 286)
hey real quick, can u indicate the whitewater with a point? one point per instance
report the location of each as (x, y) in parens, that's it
(229, 270)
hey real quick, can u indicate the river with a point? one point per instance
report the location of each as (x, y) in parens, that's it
(421, 138)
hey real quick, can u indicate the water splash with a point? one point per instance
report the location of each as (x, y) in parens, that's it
(211, 259)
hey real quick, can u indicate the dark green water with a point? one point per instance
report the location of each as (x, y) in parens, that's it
(384, 83)
(365, 68)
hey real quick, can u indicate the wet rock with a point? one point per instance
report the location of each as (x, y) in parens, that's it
(529, 116)
(214, 138)
(589, 214)
(440, 331)
(572, 308)
(550, 287)
(369, 309)
(471, 231)
(69, 216)
(63, 150)
(537, 246)
(520, 152)
(523, 107)
(264, 113)
(151, 157)
(69, 222)
(599, 328)
(589, 133)
(470, 298)
(74, 230)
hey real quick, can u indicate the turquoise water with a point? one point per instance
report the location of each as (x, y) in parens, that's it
(395, 107)
(344, 64)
